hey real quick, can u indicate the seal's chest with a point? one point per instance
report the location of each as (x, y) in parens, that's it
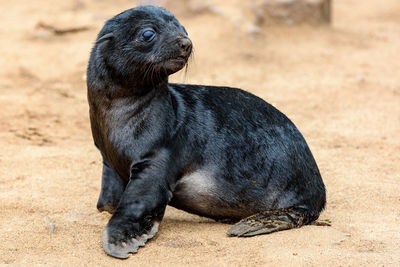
(118, 130)
(132, 128)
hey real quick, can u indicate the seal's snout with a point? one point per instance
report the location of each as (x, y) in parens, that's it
(176, 54)
(186, 45)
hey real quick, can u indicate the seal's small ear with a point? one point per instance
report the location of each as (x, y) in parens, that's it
(105, 37)
(103, 41)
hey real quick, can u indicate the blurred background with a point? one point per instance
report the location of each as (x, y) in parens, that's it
(330, 66)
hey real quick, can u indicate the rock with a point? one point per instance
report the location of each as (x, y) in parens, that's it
(293, 12)
(184, 7)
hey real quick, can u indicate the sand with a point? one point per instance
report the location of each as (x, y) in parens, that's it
(340, 85)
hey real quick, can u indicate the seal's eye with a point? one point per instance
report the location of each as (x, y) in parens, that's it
(148, 35)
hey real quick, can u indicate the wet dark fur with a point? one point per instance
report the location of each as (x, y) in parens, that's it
(151, 133)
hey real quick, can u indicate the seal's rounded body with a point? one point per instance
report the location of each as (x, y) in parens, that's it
(215, 151)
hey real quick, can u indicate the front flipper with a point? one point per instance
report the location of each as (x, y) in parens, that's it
(121, 239)
(140, 209)
(271, 221)
(112, 187)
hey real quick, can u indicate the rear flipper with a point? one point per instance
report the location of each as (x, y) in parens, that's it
(272, 221)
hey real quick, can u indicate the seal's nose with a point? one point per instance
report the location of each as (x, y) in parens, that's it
(186, 44)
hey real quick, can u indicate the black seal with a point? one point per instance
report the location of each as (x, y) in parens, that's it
(214, 151)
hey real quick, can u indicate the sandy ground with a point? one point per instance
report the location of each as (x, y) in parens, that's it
(339, 84)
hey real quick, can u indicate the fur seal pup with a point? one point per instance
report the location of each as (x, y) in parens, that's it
(218, 152)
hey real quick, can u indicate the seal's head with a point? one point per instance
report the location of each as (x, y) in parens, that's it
(140, 47)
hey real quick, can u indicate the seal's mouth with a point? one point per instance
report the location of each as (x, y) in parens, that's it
(172, 65)
(180, 59)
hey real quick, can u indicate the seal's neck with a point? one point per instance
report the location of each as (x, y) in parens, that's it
(114, 91)
(136, 85)
(121, 87)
